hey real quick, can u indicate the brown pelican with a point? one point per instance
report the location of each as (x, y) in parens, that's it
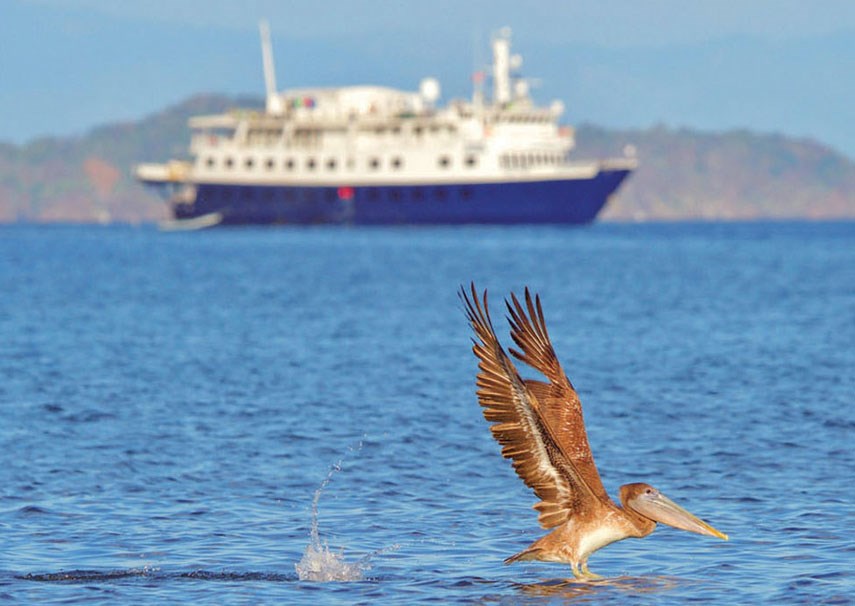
(540, 426)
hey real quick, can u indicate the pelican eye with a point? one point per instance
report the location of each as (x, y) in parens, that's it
(649, 491)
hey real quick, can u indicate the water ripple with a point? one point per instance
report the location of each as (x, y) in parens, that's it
(172, 402)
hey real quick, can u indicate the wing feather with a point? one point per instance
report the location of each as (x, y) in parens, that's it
(519, 426)
(559, 401)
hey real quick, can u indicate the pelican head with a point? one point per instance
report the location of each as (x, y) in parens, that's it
(648, 502)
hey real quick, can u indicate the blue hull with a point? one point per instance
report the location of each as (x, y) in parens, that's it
(576, 201)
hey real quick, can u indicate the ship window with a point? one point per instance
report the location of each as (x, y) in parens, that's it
(310, 164)
(289, 164)
(331, 164)
(418, 131)
(374, 163)
(248, 162)
(471, 161)
(397, 163)
(270, 163)
(440, 193)
(395, 194)
(444, 161)
(210, 162)
(418, 194)
(229, 162)
(466, 193)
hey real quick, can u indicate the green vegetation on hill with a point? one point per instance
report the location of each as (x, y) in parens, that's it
(682, 174)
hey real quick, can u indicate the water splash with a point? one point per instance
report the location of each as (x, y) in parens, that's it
(319, 562)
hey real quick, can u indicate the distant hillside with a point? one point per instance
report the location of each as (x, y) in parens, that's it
(89, 179)
(683, 174)
(734, 175)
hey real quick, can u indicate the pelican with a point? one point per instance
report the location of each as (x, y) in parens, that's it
(541, 428)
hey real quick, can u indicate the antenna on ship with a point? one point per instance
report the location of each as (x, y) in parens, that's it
(478, 70)
(274, 101)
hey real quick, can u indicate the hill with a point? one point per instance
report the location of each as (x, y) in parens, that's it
(735, 175)
(683, 174)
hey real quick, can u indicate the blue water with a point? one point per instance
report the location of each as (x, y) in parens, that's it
(171, 403)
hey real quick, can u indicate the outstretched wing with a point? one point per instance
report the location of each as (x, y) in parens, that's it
(560, 404)
(519, 426)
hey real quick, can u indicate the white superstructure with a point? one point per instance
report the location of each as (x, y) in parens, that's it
(379, 135)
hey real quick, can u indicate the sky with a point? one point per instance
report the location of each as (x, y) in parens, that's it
(779, 66)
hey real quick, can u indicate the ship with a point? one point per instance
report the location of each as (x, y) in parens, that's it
(375, 155)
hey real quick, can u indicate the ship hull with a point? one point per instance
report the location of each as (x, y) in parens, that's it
(567, 201)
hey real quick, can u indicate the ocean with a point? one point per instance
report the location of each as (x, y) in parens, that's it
(288, 416)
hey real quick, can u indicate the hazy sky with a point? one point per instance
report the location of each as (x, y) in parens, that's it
(68, 65)
(605, 22)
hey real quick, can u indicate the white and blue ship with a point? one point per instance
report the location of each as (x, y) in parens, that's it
(377, 155)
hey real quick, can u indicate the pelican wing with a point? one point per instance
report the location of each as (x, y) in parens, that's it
(558, 399)
(519, 426)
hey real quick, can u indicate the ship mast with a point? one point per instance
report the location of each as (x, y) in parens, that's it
(274, 101)
(502, 67)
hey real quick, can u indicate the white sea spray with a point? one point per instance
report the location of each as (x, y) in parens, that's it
(319, 562)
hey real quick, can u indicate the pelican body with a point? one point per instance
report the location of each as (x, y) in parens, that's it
(541, 428)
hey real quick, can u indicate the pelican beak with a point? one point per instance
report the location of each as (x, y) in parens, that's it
(660, 508)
